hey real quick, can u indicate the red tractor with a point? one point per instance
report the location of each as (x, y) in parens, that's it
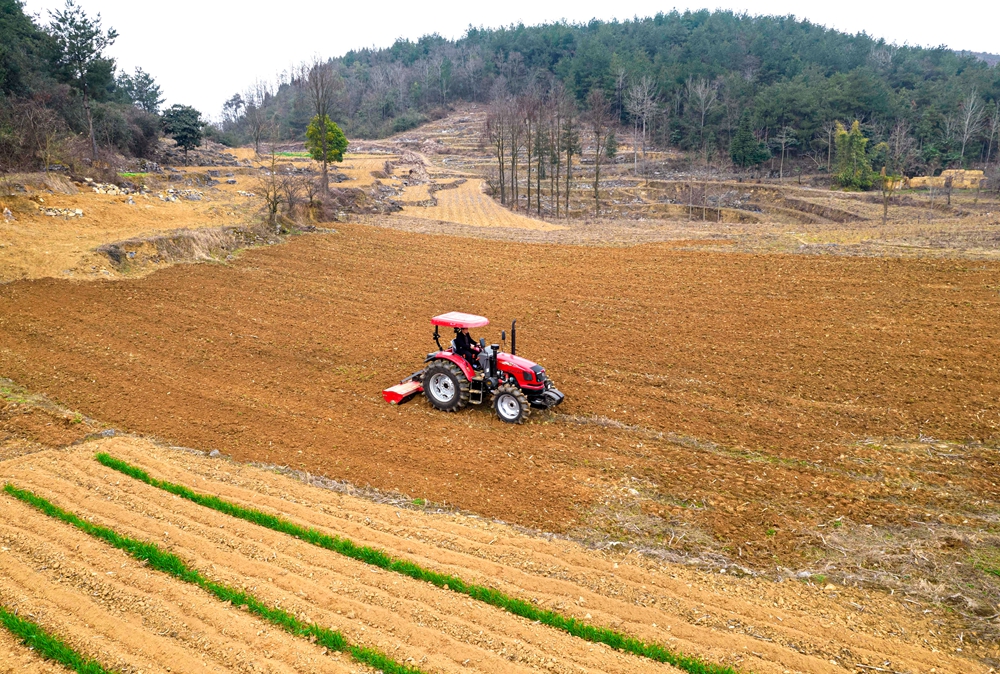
(450, 381)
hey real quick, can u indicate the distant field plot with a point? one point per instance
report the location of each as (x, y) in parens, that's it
(467, 205)
(359, 167)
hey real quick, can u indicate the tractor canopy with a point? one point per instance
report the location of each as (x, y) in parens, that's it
(456, 319)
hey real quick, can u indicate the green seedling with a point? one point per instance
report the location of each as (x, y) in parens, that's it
(157, 558)
(49, 646)
(383, 560)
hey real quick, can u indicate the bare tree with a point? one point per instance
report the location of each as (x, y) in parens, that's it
(902, 148)
(784, 139)
(970, 119)
(270, 189)
(570, 138)
(323, 85)
(255, 115)
(556, 96)
(515, 143)
(495, 131)
(600, 122)
(529, 106)
(639, 102)
(993, 126)
(703, 96)
(620, 96)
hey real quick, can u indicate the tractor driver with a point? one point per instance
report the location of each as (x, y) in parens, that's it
(465, 346)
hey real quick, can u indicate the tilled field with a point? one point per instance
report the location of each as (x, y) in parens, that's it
(132, 618)
(774, 412)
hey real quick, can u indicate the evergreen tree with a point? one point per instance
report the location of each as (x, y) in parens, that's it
(81, 42)
(141, 90)
(853, 168)
(325, 141)
(746, 150)
(183, 123)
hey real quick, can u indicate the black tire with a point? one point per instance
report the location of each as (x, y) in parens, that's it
(446, 386)
(510, 404)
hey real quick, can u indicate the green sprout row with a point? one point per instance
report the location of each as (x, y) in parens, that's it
(173, 565)
(382, 560)
(47, 645)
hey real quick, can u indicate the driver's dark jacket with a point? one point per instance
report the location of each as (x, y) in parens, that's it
(464, 345)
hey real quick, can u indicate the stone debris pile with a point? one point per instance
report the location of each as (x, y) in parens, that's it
(245, 194)
(175, 195)
(114, 190)
(61, 212)
(8, 216)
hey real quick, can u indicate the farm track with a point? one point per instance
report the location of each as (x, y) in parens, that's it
(83, 588)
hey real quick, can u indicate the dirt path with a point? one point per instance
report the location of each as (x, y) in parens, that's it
(758, 626)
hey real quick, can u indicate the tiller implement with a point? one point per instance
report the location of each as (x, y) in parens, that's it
(451, 380)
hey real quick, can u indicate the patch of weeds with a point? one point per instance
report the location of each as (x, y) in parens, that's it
(988, 561)
(133, 175)
(77, 419)
(818, 578)
(419, 502)
(47, 645)
(383, 560)
(772, 532)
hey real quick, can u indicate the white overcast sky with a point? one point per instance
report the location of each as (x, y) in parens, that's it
(203, 52)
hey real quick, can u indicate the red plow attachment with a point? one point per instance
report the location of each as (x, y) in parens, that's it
(400, 393)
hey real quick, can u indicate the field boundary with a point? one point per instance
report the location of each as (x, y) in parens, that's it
(173, 565)
(383, 560)
(49, 646)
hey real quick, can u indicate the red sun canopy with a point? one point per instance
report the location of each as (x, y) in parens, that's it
(456, 319)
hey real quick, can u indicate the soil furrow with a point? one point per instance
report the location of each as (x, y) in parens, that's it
(444, 629)
(630, 596)
(141, 619)
(16, 657)
(525, 567)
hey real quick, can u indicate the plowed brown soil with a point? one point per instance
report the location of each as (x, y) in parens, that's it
(112, 608)
(281, 357)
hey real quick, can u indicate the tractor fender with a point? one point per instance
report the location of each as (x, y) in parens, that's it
(457, 360)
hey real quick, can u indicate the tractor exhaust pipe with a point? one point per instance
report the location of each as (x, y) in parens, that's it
(513, 338)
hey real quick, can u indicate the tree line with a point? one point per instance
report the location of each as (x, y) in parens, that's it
(63, 99)
(682, 80)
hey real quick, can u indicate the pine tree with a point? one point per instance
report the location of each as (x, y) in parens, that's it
(184, 124)
(853, 170)
(746, 150)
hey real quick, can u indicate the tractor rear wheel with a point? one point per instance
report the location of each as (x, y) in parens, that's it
(510, 404)
(446, 386)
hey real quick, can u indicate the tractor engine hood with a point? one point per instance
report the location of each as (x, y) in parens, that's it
(506, 361)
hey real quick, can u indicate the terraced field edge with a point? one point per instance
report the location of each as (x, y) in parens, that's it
(49, 646)
(383, 560)
(173, 565)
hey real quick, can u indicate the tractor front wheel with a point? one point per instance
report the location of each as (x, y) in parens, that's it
(446, 386)
(510, 404)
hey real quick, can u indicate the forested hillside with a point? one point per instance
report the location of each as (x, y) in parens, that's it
(56, 85)
(687, 77)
